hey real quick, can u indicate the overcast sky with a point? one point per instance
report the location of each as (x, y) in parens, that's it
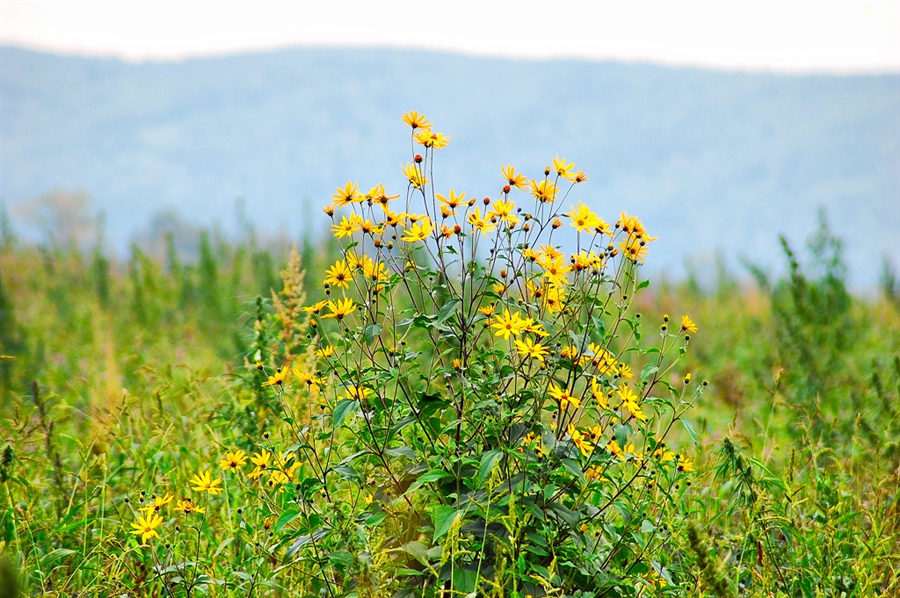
(787, 35)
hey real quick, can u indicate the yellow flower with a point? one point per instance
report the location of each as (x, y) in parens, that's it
(312, 380)
(146, 527)
(187, 506)
(584, 261)
(203, 482)
(635, 249)
(282, 472)
(599, 395)
(684, 464)
(583, 218)
(315, 308)
(261, 460)
(632, 225)
(325, 352)
(278, 377)
(534, 327)
(451, 203)
(394, 218)
(339, 275)
(358, 262)
(688, 325)
(630, 401)
(416, 120)
(655, 579)
(233, 460)
(631, 450)
(613, 447)
(346, 227)
(529, 348)
(543, 191)
(663, 454)
(433, 140)
(349, 194)
(579, 177)
(580, 441)
(508, 324)
(342, 308)
(488, 310)
(418, 231)
(569, 352)
(563, 168)
(512, 178)
(622, 370)
(481, 224)
(378, 195)
(565, 399)
(504, 210)
(358, 393)
(556, 269)
(370, 228)
(375, 271)
(158, 503)
(414, 175)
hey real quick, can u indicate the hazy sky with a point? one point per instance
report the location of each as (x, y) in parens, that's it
(787, 35)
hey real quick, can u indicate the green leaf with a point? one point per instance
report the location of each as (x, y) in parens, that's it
(371, 332)
(464, 581)
(341, 557)
(448, 310)
(444, 517)
(344, 408)
(348, 473)
(488, 460)
(303, 541)
(286, 517)
(376, 518)
(417, 550)
(648, 371)
(402, 424)
(622, 433)
(402, 451)
(647, 526)
(643, 284)
(573, 467)
(222, 545)
(428, 477)
(690, 430)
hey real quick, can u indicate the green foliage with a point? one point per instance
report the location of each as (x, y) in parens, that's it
(408, 449)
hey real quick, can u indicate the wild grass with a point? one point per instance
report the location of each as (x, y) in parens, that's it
(123, 380)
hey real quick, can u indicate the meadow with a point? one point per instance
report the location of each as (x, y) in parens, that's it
(402, 411)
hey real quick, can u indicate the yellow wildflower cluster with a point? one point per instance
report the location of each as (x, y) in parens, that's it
(280, 470)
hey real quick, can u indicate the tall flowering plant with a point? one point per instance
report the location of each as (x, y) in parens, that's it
(470, 411)
(492, 407)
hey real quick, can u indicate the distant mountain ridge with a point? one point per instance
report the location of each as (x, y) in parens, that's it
(710, 161)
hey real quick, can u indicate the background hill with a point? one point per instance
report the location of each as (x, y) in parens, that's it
(711, 161)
